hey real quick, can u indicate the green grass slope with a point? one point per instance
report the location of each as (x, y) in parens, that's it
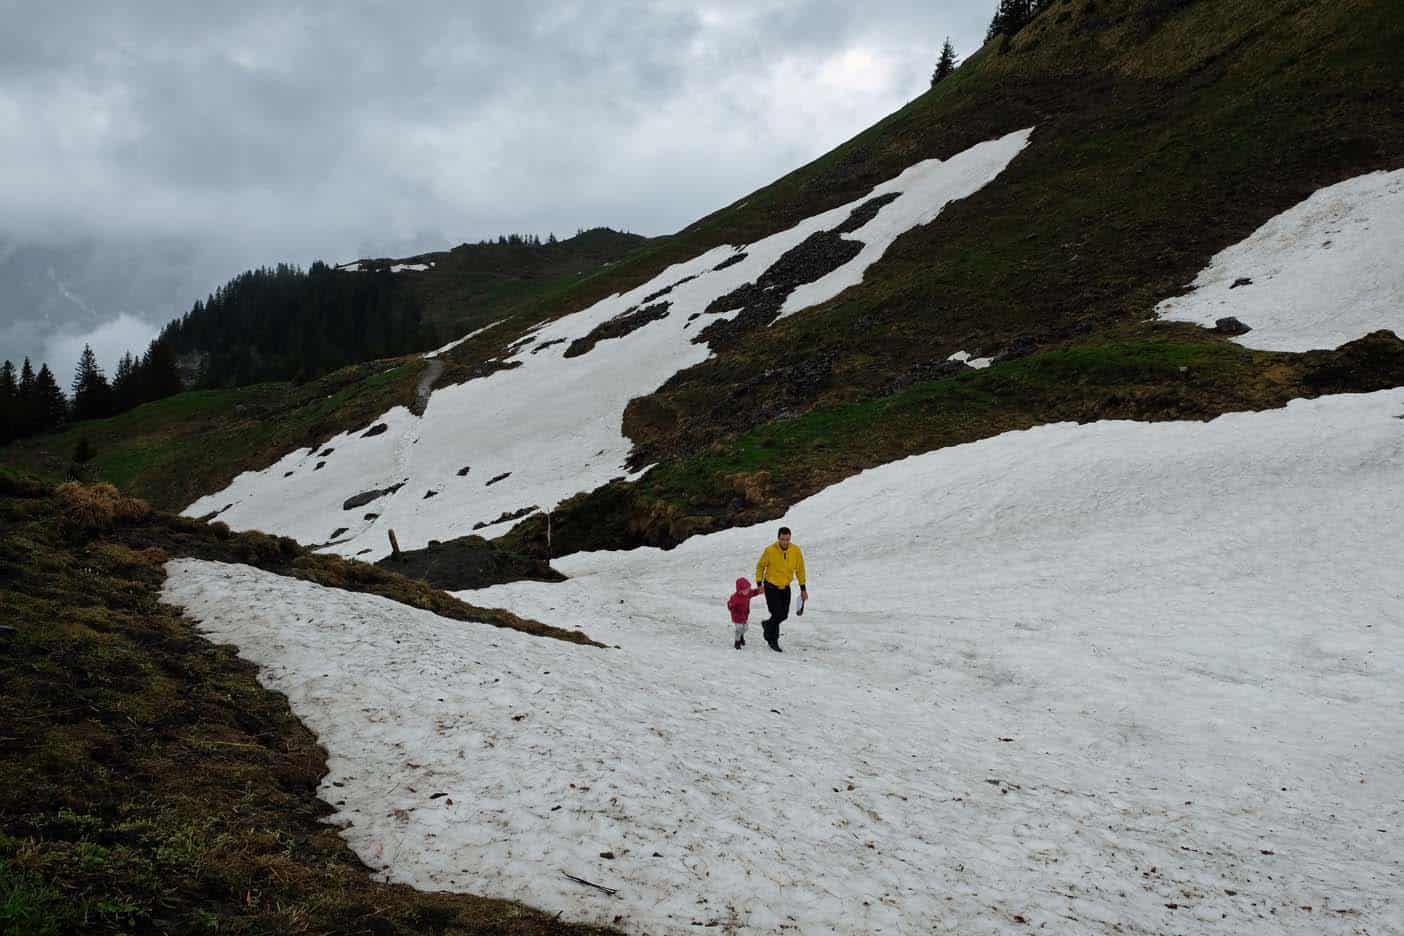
(172, 451)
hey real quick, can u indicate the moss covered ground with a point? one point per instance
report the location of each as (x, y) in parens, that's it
(151, 785)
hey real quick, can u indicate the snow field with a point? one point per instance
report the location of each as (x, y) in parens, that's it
(1141, 678)
(1325, 272)
(553, 424)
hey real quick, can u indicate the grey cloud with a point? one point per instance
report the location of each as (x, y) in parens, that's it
(261, 131)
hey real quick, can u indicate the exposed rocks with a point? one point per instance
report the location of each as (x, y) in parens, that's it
(214, 513)
(546, 344)
(866, 212)
(760, 302)
(325, 453)
(623, 324)
(361, 500)
(1242, 281)
(371, 516)
(667, 289)
(1230, 326)
(462, 472)
(287, 474)
(501, 477)
(337, 532)
(468, 562)
(377, 429)
(320, 466)
(1374, 362)
(506, 516)
(730, 261)
(429, 494)
(933, 370)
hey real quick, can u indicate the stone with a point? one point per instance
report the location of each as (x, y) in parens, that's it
(1230, 326)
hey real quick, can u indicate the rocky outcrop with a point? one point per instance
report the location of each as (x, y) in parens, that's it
(507, 515)
(627, 322)
(468, 562)
(364, 498)
(1229, 325)
(760, 301)
(866, 212)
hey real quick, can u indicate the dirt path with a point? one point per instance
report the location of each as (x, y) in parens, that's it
(427, 380)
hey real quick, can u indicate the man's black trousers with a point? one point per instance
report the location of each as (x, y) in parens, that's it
(777, 601)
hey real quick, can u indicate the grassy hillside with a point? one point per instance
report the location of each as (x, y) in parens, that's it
(172, 451)
(1164, 132)
(151, 785)
(474, 284)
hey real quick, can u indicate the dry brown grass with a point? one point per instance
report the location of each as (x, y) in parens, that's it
(98, 506)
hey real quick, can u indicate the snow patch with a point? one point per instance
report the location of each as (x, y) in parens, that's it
(1135, 676)
(458, 341)
(964, 357)
(410, 267)
(1322, 273)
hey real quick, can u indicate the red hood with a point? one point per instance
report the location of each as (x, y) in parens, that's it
(743, 584)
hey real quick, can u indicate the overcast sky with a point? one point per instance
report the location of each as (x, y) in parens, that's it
(246, 133)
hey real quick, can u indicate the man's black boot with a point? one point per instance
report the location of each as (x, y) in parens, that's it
(775, 645)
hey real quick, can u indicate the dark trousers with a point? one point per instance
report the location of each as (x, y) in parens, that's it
(777, 601)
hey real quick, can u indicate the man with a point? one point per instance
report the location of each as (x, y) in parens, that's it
(779, 564)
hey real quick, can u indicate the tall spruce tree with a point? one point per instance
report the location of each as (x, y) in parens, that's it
(9, 402)
(123, 386)
(945, 64)
(160, 372)
(27, 413)
(92, 395)
(50, 407)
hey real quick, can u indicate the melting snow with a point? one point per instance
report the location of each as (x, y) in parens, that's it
(964, 357)
(553, 422)
(410, 267)
(1316, 276)
(458, 341)
(1142, 677)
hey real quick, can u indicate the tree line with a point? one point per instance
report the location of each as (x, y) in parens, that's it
(286, 323)
(33, 403)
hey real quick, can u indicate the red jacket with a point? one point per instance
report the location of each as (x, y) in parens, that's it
(739, 604)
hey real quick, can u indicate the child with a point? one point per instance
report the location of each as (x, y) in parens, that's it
(739, 604)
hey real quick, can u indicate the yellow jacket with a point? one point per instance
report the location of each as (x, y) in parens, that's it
(778, 566)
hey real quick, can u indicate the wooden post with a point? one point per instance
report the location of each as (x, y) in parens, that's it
(394, 545)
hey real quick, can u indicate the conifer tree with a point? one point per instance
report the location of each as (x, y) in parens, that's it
(161, 372)
(124, 384)
(9, 402)
(27, 410)
(92, 396)
(945, 64)
(50, 407)
(1010, 17)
